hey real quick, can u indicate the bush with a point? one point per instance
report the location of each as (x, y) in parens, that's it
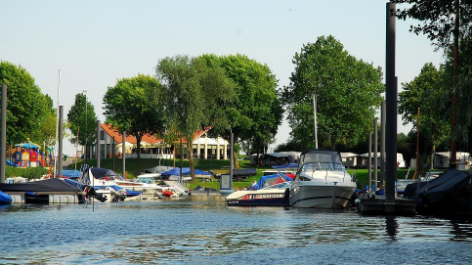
(26, 172)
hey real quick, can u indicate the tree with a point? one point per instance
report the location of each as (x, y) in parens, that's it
(193, 89)
(128, 107)
(347, 90)
(26, 105)
(83, 121)
(427, 91)
(255, 111)
(46, 132)
(442, 20)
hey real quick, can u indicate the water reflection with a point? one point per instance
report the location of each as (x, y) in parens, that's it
(391, 227)
(192, 229)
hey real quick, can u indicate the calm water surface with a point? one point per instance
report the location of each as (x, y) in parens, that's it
(204, 230)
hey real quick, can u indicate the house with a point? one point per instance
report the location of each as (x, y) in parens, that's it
(363, 160)
(154, 147)
(441, 159)
(349, 159)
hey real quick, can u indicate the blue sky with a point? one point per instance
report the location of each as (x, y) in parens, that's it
(94, 43)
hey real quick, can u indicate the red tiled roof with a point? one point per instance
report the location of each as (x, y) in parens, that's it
(151, 139)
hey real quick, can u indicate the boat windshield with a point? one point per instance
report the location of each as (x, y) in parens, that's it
(149, 180)
(278, 186)
(314, 166)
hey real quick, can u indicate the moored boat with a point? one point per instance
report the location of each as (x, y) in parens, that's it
(271, 190)
(321, 181)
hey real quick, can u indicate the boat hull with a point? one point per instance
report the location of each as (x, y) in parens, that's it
(274, 197)
(321, 195)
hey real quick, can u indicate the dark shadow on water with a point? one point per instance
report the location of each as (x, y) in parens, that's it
(391, 227)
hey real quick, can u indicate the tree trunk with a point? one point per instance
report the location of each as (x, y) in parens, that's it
(190, 157)
(138, 140)
(431, 163)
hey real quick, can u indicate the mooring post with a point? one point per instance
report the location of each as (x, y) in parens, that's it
(391, 99)
(4, 134)
(123, 149)
(382, 146)
(98, 143)
(59, 137)
(376, 148)
(369, 163)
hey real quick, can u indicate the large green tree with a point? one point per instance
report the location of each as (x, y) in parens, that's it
(347, 90)
(193, 90)
(256, 111)
(445, 22)
(426, 92)
(128, 107)
(83, 121)
(27, 107)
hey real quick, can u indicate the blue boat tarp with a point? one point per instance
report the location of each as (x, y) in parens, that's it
(71, 173)
(291, 165)
(5, 199)
(270, 180)
(129, 193)
(185, 171)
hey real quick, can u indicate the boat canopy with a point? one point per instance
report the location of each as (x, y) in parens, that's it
(157, 169)
(270, 180)
(51, 185)
(291, 165)
(185, 171)
(100, 173)
(71, 173)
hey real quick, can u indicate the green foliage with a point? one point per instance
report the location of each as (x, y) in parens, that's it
(438, 18)
(193, 89)
(427, 91)
(28, 172)
(133, 105)
(83, 120)
(29, 112)
(255, 112)
(348, 92)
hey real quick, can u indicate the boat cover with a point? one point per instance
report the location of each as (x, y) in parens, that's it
(291, 165)
(157, 169)
(317, 155)
(71, 173)
(269, 180)
(100, 173)
(5, 198)
(185, 171)
(447, 185)
(53, 184)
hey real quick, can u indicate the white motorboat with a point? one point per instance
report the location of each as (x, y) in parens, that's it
(321, 181)
(102, 177)
(275, 195)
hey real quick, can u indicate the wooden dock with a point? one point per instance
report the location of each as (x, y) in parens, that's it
(379, 205)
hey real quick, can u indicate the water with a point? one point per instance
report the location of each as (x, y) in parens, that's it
(202, 230)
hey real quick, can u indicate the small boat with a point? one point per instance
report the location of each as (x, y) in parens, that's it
(321, 181)
(271, 190)
(5, 198)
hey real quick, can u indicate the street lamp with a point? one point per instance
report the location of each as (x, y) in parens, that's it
(86, 135)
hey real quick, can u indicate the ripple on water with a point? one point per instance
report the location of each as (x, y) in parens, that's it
(204, 230)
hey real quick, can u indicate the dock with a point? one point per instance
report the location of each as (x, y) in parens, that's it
(21, 197)
(379, 205)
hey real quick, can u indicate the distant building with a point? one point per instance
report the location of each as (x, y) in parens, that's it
(153, 147)
(349, 159)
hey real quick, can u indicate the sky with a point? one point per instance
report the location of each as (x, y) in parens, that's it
(95, 43)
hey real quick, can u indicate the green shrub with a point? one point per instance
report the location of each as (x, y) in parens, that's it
(27, 172)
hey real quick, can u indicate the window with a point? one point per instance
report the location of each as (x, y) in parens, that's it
(102, 135)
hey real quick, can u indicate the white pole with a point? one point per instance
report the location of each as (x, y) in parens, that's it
(316, 127)
(57, 121)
